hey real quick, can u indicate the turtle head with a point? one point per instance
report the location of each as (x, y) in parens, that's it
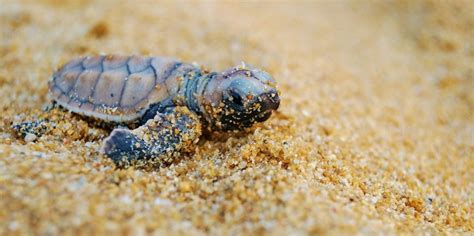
(240, 97)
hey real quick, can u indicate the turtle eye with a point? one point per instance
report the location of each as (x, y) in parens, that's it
(236, 98)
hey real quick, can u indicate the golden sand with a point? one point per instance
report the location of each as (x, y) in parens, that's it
(374, 133)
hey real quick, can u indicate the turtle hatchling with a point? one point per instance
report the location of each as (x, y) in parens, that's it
(171, 101)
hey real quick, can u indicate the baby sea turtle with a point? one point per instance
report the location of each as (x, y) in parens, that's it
(171, 101)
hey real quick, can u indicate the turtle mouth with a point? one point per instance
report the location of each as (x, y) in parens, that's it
(263, 116)
(269, 101)
(256, 118)
(256, 111)
(241, 121)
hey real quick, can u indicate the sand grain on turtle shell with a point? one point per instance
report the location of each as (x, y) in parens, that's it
(374, 133)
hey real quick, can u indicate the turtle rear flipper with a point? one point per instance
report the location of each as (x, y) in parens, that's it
(37, 127)
(157, 141)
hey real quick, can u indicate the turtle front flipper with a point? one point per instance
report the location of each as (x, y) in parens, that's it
(158, 141)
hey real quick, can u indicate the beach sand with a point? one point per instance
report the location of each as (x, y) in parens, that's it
(374, 133)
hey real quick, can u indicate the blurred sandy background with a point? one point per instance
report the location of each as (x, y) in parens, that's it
(374, 134)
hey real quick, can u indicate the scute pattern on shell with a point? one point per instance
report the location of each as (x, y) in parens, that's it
(115, 88)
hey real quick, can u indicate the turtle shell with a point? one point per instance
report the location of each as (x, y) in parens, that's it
(115, 88)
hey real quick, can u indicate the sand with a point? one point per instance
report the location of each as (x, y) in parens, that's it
(374, 133)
